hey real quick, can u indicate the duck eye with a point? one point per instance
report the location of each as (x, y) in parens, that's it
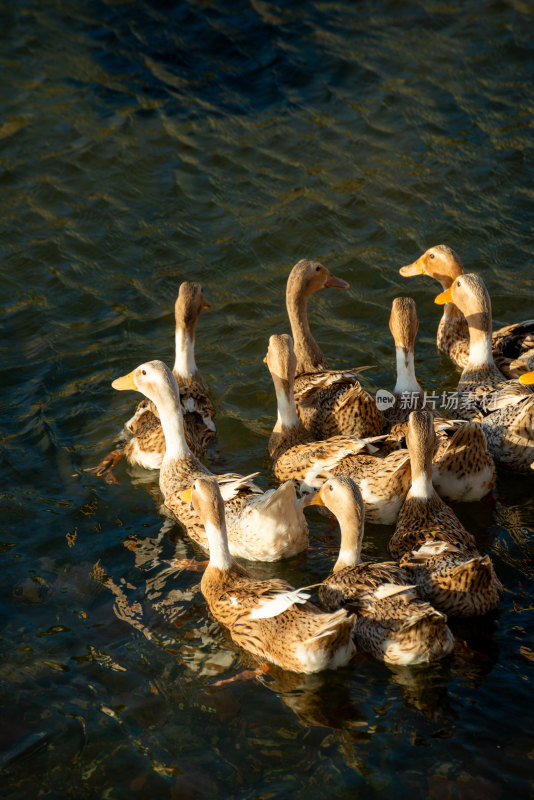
(458, 284)
(317, 269)
(143, 371)
(331, 488)
(431, 255)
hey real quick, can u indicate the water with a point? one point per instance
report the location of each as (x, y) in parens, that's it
(144, 144)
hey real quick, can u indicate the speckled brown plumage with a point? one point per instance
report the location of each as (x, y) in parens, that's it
(333, 402)
(505, 409)
(329, 402)
(392, 622)
(145, 443)
(463, 469)
(299, 636)
(452, 581)
(262, 526)
(508, 343)
(384, 481)
(432, 543)
(231, 596)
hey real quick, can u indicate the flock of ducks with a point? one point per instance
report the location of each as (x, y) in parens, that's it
(332, 446)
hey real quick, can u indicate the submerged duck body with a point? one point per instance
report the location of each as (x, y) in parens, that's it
(392, 623)
(269, 619)
(432, 544)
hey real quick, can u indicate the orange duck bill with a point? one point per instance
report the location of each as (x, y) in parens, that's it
(417, 268)
(444, 297)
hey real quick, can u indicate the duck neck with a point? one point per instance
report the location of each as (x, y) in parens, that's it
(184, 360)
(218, 544)
(351, 526)
(421, 467)
(172, 422)
(452, 319)
(285, 401)
(452, 315)
(480, 342)
(406, 380)
(307, 351)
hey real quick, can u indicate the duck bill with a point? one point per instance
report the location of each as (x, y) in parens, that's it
(126, 382)
(332, 282)
(417, 268)
(527, 379)
(444, 297)
(317, 499)
(185, 496)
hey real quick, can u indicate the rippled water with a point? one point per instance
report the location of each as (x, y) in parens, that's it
(144, 144)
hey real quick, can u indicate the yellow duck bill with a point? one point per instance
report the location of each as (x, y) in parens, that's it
(126, 382)
(444, 297)
(416, 268)
(527, 379)
(317, 500)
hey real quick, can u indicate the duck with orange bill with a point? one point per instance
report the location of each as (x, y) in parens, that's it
(510, 345)
(462, 470)
(505, 409)
(143, 433)
(329, 402)
(262, 526)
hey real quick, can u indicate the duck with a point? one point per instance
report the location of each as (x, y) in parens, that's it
(392, 622)
(462, 468)
(408, 395)
(268, 618)
(504, 408)
(329, 402)
(262, 526)
(296, 456)
(143, 434)
(510, 345)
(432, 545)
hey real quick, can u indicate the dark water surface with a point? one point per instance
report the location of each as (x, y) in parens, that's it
(141, 145)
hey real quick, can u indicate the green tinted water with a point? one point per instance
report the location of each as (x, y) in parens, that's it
(142, 145)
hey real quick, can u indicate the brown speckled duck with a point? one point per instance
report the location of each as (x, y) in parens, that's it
(463, 470)
(510, 345)
(383, 481)
(505, 409)
(329, 402)
(262, 526)
(432, 544)
(145, 441)
(392, 622)
(146, 445)
(268, 618)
